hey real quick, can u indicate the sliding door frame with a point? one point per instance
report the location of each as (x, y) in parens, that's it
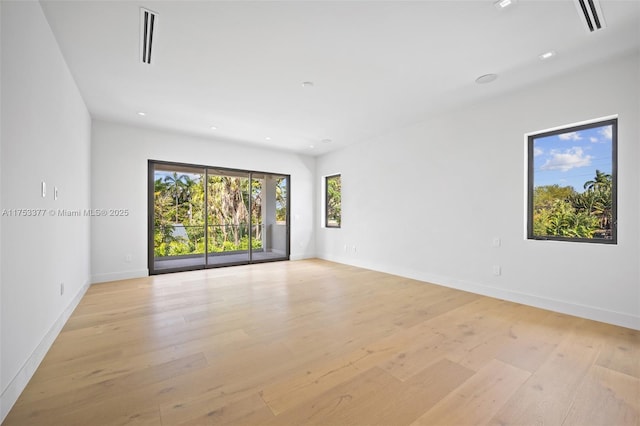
(152, 165)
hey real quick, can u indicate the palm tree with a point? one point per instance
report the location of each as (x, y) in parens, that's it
(601, 181)
(187, 187)
(178, 186)
(599, 190)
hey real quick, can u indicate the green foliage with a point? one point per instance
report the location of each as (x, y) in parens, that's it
(564, 220)
(544, 197)
(561, 211)
(334, 200)
(179, 201)
(281, 200)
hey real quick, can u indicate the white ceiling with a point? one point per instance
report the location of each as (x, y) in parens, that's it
(375, 65)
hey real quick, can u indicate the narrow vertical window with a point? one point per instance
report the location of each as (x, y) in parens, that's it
(572, 183)
(333, 201)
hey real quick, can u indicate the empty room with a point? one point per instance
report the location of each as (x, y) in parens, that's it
(320, 212)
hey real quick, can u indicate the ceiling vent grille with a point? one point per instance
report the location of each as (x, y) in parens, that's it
(147, 23)
(590, 14)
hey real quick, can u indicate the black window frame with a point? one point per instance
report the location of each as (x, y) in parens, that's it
(327, 224)
(613, 122)
(151, 167)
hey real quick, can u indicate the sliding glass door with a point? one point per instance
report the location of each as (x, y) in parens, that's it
(203, 217)
(270, 229)
(228, 218)
(178, 238)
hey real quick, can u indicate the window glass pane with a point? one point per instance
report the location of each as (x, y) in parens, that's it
(228, 216)
(572, 183)
(178, 227)
(333, 198)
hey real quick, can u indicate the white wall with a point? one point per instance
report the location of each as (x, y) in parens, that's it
(1, 102)
(119, 180)
(45, 135)
(425, 201)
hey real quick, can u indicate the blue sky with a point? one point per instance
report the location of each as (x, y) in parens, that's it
(162, 174)
(571, 159)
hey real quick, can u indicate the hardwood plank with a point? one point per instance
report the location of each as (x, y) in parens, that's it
(606, 397)
(126, 413)
(232, 377)
(68, 400)
(304, 385)
(250, 410)
(533, 337)
(83, 373)
(376, 397)
(479, 398)
(547, 396)
(621, 350)
(452, 334)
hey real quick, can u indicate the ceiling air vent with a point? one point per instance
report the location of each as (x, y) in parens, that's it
(590, 14)
(147, 23)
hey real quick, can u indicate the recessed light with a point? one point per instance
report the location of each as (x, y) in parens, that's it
(547, 55)
(487, 78)
(311, 146)
(142, 114)
(307, 84)
(213, 128)
(503, 4)
(326, 141)
(268, 138)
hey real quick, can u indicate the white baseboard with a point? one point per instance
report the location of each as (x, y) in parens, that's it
(116, 276)
(569, 308)
(575, 309)
(15, 387)
(301, 256)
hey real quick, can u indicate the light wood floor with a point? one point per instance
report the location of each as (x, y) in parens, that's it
(313, 342)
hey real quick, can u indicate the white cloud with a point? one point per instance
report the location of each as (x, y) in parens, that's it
(537, 151)
(594, 140)
(607, 132)
(571, 136)
(566, 160)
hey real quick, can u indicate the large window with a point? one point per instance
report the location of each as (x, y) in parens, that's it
(201, 217)
(333, 201)
(572, 183)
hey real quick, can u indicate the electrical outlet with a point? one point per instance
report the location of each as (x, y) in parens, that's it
(496, 241)
(127, 258)
(497, 270)
(61, 289)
